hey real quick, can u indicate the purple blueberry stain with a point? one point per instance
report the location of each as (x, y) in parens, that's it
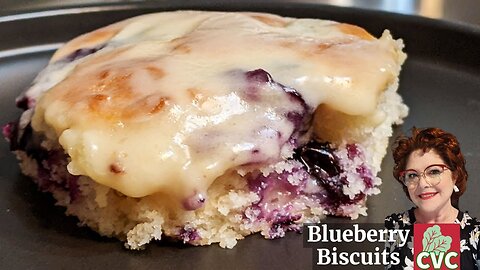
(256, 157)
(272, 183)
(9, 130)
(274, 206)
(188, 235)
(296, 118)
(353, 151)
(48, 178)
(73, 188)
(366, 174)
(81, 53)
(282, 224)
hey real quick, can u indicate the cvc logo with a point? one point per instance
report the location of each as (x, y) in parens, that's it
(434, 250)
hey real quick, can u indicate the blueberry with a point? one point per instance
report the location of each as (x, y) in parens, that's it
(258, 76)
(24, 102)
(194, 202)
(321, 162)
(319, 159)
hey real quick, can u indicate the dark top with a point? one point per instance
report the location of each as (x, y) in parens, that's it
(469, 238)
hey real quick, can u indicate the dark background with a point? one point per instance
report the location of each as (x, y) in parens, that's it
(440, 83)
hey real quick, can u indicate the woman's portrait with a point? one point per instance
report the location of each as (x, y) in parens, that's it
(430, 166)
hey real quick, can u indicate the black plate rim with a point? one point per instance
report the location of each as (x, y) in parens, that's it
(35, 13)
(28, 14)
(453, 33)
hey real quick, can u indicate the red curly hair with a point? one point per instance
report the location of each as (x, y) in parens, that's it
(447, 147)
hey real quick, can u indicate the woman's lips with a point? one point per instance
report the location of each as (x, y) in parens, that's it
(427, 195)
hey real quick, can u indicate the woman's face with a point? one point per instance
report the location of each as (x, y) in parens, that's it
(426, 197)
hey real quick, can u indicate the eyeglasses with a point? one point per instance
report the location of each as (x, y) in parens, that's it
(432, 175)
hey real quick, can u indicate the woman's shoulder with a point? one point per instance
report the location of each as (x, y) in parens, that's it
(399, 220)
(468, 222)
(469, 231)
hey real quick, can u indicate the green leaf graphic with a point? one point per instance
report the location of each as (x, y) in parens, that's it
(434, 241)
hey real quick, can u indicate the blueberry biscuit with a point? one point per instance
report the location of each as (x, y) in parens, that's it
(205, 127)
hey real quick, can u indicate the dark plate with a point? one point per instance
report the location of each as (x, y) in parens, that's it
(440, 83)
